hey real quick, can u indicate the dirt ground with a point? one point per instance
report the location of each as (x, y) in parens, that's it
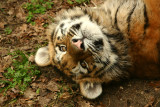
(55, 89)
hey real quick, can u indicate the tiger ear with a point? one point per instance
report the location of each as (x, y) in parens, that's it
(42, 57)
(90, 90)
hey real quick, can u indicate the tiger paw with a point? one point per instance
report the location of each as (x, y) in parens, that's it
(91, 90)
(42, 57)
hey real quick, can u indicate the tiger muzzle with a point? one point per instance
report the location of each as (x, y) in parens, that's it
(78, 43)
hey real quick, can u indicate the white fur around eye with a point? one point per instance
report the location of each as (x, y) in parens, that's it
(59, 54)
(79, 69)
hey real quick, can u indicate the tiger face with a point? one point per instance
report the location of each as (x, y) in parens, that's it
(74, 48)
(76, 45)
(83, 50)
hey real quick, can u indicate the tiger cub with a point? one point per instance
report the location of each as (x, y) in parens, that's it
(117, 40)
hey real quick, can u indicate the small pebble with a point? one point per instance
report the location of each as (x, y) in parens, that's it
(121, 87)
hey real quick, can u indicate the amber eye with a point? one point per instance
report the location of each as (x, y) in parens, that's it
(62, 48)
(83, 64)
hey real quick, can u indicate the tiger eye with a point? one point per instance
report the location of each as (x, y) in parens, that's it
(62, 48)
(74, 40)
(83, 64)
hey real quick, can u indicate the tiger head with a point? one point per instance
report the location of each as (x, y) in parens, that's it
(79, 48)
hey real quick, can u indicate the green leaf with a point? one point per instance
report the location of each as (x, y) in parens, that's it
(8, 31)
(17, 75)
(69, 1)
(21, 72)
(33, 1)
(29, 17)
(36, 72)
(45, 25)
(27, 79)
(36, 7)
(78, 1)
(38, 90)
(41, 1)
(33, 23)
(49, 5)
(5, 81)
(13, 84)
(10, 71)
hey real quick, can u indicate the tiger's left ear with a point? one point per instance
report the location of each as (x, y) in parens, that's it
(91, 90)
(42, 57)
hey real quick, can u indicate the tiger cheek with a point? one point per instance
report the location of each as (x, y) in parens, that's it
(90, 63)
(67, 63)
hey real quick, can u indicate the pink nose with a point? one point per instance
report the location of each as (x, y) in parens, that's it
(78, 44)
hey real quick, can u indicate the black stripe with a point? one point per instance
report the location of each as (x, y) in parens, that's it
(118, 37)
(122, 67)
(121, 71)
(146, 20)
(94, 67)
(107, 62)
(101, 70)
(55, 33)
(103, 73)
(58, 38)
(85, 11)
(129, 17)
(98, 44)
(158, 47)
(76, 17)
(114, 49)
(94, 51)
(62, 31)
(89, 71)
(52, 36)
(90, 15)
(76, 26)
(85, 76)
(71, 32)
(115, 20)
(61, 25)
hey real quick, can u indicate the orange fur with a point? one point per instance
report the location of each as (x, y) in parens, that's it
(145, 50)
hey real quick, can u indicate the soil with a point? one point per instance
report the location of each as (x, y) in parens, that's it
(54, 88)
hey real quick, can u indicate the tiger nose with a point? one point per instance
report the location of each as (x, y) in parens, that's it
(78, 43)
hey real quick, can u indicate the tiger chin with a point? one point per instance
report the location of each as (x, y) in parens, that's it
(117, 40)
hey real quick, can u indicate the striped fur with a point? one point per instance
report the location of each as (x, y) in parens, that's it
(119, 39)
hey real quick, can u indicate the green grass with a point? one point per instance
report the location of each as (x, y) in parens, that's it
(41, 6)
(77, 1)
(20, 73)
(36, 7)
(64, 88)
(8, 31)
(45, 25)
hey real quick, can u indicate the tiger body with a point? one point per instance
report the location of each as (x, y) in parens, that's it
(117, 40)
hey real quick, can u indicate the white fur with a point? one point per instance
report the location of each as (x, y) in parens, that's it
(42, 57)
(59, 54)
(91, 90)
(79, 69)
(68, 23)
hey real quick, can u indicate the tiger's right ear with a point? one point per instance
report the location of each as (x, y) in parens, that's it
(42, 57)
